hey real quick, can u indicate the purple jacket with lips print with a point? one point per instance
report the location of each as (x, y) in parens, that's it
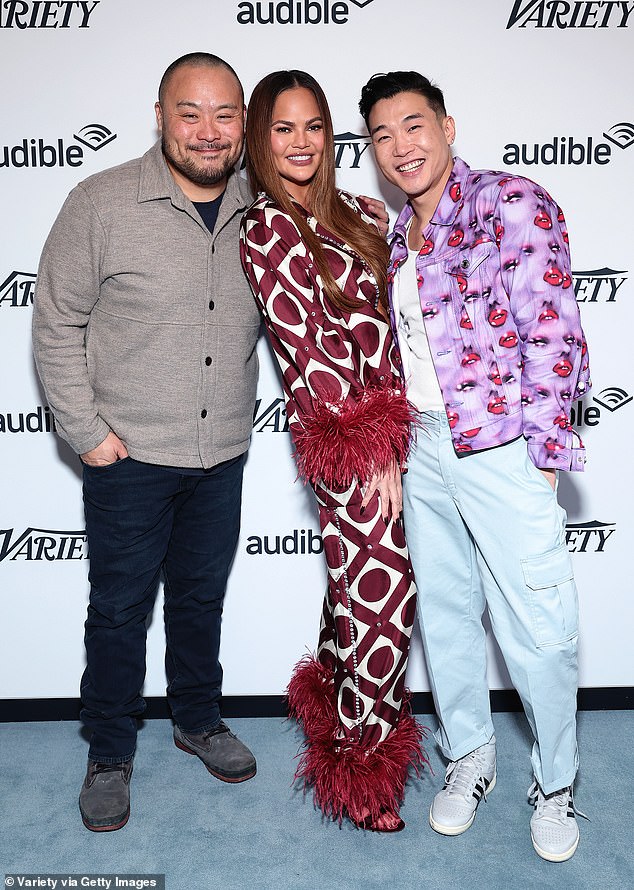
(500, 314)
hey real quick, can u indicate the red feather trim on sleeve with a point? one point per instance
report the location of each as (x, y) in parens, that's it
(351, 440)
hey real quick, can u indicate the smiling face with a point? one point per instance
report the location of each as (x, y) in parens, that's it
(297, 140)
(412, 147)
(201, 119)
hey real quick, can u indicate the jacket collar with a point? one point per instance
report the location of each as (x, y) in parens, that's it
(156, 182)
(448, 207)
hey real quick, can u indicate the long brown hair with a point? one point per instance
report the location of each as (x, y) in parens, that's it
(325, 204)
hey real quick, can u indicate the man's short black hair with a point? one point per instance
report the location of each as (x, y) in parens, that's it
(386, 86)
(196, 60)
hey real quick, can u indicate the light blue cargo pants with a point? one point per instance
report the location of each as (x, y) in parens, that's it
(486, 531)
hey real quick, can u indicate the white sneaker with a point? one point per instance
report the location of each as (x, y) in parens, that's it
(467, 781)
(554, 829)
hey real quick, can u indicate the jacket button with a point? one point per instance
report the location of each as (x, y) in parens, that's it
(212, 304)
(203, 413)
(464, 264)
(208, 360)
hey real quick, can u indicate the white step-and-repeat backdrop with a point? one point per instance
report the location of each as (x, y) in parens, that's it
(538, 87)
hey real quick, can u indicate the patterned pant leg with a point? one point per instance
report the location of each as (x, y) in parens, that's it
(361, 736)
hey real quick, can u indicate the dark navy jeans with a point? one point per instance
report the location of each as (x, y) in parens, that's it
(142, 520)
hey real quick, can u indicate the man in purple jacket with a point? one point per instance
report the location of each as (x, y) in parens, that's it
(493, 357)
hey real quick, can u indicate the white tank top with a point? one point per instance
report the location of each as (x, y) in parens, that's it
(421, 381)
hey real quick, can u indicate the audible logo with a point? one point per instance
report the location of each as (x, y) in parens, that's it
(297, 12)
(299, 542)
(39, 153)
(568, 150)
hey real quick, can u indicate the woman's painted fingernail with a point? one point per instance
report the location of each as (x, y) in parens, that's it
(362, 510)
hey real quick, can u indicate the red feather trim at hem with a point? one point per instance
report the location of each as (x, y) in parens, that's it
(353, 440)
(310, 697)
(348, 779)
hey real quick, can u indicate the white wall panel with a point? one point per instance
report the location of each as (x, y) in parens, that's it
(532, 83)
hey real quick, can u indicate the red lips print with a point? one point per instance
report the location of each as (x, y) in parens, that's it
(497, 317)
(553, 276)
(508, 340)
(562, 422)
(455, 193)
(548, 315)
(563, 368)
(543, 221)
(465, 322)
(497, 405)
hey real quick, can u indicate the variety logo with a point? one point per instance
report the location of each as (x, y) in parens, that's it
(42, 545)
(588, 537)
(297, 12)
(564, 150)
(16, 291)
(349, 147)
(38, 153)
(39, 421)
(598, 285)
(570, 14)
(300, 542)
(46, 14)
(270, 417)
(611, 399)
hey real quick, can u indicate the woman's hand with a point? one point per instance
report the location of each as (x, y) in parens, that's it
(388, 485)
(376, 208)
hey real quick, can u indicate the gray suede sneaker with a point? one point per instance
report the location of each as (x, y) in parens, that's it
(224, 755)
(104, 800)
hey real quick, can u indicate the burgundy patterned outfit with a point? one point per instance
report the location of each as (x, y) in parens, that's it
(348, 417)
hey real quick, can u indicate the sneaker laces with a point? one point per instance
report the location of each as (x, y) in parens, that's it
(461, 775)
(553, 807)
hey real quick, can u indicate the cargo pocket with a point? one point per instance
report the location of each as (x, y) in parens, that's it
(552, 596)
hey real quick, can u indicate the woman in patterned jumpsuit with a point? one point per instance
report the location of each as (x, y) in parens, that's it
(317, 267)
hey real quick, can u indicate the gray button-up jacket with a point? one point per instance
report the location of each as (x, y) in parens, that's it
(144, 323)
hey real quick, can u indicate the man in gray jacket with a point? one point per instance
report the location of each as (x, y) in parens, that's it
(145, 334)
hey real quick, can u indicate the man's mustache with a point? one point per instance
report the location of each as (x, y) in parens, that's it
(209, 146)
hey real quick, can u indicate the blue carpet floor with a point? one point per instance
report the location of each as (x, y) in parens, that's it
(202, 833)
